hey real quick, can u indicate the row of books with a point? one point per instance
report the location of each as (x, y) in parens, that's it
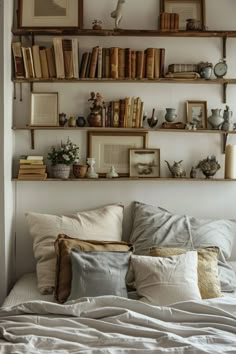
(61, 60)
(32, 167)
(125, 113)
(169, 21)
(123, 63)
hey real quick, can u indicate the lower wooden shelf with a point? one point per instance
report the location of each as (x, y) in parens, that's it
(121, 179)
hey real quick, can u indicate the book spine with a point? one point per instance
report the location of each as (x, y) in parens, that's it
(44, 63)
(99, 71)
(162, 62)
(116, 114)
(157, 63)
(122, 114)
(121, 63)
(67, 55)
(150, 63)
(140, 63)
(88, 65)
(94, 61)
(128, 63)
(83, 65)
(51, 62)
(18, 60)
(114, 63)
(75, 57)
(133, 64)
(59, 58)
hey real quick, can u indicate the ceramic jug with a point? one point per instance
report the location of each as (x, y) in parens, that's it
(170, 114)
(216, 120)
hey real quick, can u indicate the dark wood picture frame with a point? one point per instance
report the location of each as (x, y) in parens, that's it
(202, 12)
(202, 105)
(107, 147)
(24, 4)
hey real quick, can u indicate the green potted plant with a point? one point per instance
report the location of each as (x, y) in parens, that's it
(62, 157)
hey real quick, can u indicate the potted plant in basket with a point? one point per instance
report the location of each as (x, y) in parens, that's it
(62, 157)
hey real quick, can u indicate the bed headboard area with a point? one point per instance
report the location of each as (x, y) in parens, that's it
(198, 200)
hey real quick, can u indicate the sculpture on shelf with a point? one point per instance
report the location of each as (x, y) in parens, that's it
(209, 166)
(112, 173)
(91, 171)
(95, 116)
(117, 14)
(153, 120)
(177, 170)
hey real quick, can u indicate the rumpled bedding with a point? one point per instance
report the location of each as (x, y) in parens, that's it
(109, 324)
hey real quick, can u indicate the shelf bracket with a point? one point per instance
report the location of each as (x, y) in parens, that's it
(32, 139)
(225, 137)
(21, 98)
(224, 47)
(225, 85)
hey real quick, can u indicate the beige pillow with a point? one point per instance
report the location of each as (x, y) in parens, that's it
(208, 279)
(104, 224)
(64, 246)
(166, 280)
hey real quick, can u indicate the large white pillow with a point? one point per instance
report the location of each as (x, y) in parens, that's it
(164, 281)
(103, 224)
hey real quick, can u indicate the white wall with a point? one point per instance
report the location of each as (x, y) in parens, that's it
(199, 198)
(7, 259)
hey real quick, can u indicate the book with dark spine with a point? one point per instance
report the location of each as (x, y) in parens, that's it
(68, 59)
(140, 63)
(94, 62)
(128, 63)
(18, 60)
(150, 63)
(133, 64)
(83, 65)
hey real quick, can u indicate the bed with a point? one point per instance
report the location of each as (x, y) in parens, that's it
(147, 320)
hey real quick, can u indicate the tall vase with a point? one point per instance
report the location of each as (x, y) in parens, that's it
(61, 171)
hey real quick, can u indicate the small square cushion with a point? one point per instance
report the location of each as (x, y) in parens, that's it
(98, 273)
(103, 224)
(154, 226)
(166, 280)
(63, 248)
(208, 279)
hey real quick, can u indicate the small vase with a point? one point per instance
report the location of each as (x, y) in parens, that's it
(95, 119)
(170, 114)
(80, 171)
(61, 171)
(216, 120)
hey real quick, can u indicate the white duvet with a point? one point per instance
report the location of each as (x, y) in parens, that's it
(111, 324)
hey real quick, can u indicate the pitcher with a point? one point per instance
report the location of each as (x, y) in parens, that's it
(216, 120)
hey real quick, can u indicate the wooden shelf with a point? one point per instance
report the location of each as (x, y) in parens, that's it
(106, 80)
(121, 32)
(77, 128)
(131, 179)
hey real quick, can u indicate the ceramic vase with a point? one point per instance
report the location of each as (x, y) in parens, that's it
(216, 120)
(95, 119)
(170, 115)
(61, 170)
(80, 171)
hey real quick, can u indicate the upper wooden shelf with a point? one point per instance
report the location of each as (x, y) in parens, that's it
(120, 32)
(121, 179)
(160, 80)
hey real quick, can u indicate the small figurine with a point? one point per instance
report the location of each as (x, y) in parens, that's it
(97, 24)
(193, 172)
(91, 171)
(117, 13)
(112, 173)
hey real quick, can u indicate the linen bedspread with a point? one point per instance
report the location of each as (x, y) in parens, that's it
(109, 324)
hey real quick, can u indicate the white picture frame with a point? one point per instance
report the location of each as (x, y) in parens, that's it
(112, 148)
(50, 14)
(144, 163)
(44, 109)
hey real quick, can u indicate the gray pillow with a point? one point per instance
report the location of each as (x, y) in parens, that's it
(98, 273)
(153, 226)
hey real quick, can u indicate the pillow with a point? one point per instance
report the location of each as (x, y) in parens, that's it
(153, 226)
(63, 247)
(208, 279)
(99, 224)
(98, 273)
(163, 281)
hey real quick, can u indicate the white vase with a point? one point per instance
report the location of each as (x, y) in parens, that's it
(61, 170)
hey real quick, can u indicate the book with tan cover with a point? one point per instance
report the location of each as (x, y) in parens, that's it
(37, 62)
(140, 63)
(75, 57)
(107, 63)
(32, 176)
(34, 171)
(114, 62)
(133, 64)
(59, 58)
(121, 63)
(128, 63)
(44, 62)
(150, 63)
(94, 62)
(99, 71)
(157, 63)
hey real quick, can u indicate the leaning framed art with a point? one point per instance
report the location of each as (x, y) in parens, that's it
(197, 113)
(44, 109)
(50, 14)
(187, 9)
(144, 163)
(112, 149)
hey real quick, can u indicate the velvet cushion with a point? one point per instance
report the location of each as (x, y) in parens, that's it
(63, 247)
(104, 223)
(98, 273)
(208, 278)
(153, 226)
(166, 280)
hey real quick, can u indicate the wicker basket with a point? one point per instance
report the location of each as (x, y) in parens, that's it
(61, 171)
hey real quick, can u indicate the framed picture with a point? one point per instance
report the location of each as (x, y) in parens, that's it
(50, 13)
(44, 109)
(112, 148)
(197, 113)
(144, 163)
(194, 9)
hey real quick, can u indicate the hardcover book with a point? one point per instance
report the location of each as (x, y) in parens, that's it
(59, 58)
(94, 62)
(37, 62)
(114, 63)
(18, 60)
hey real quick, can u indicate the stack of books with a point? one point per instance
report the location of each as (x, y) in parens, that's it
(32, 168)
